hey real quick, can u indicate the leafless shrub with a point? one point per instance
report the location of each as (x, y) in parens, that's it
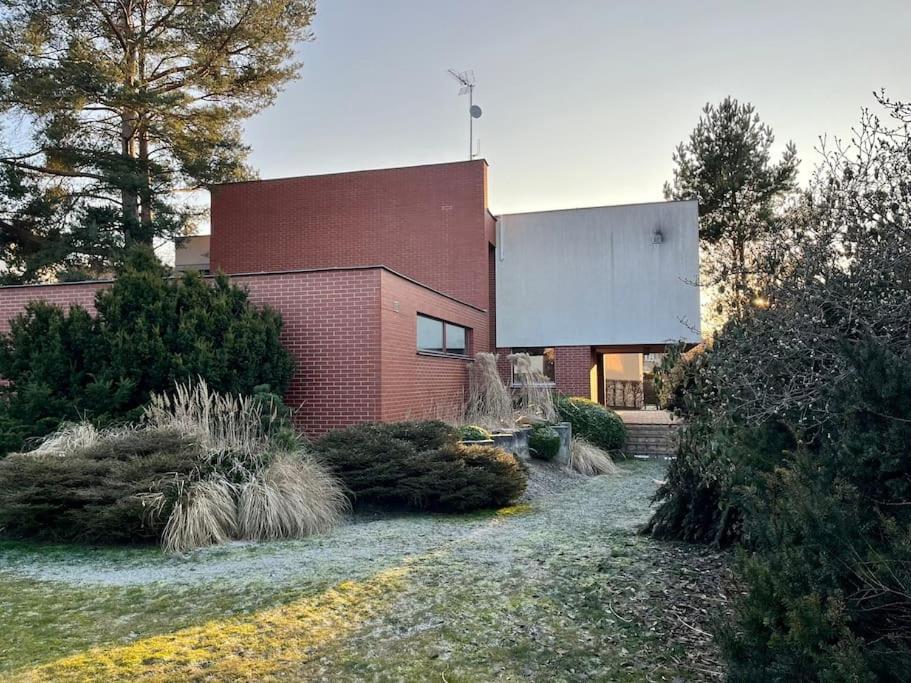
(586, 458)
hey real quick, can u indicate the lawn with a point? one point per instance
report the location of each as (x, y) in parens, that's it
(557, 588)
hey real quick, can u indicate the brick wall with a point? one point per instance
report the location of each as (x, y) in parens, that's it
(356, 355)
(331, 327)
(429, 223)
(419, 386)
(573, 371)
(14, 299)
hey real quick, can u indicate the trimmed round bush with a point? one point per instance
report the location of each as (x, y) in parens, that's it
(544, 443)
(420, 466)
(473, 433)
(593, 422)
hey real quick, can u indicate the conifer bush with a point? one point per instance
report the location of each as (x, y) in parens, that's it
(420, 466)
(199, 469)
(797, 443)
(593, 422)
(544, 442)
(150, 331)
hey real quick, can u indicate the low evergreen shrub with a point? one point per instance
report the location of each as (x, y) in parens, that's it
(420, 466)
(473, 433)
(544, 443)
(200, 468)
(593, 422)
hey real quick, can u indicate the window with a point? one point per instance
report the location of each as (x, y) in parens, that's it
(542, 361)
(436, 336)
(455, 339)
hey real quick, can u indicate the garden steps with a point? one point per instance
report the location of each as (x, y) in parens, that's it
(651, 440)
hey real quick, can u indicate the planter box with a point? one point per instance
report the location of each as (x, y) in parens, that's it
(479, 442)
(565, 430)
(515, 442)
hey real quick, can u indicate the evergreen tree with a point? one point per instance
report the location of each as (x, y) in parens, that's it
(727, 165)
(127, 102)
(150, 331)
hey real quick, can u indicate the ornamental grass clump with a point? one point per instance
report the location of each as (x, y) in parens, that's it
(200, 469)
(534, 395)
(489, 402)
(586, 458)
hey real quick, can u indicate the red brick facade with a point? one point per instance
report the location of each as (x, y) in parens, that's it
(14, 299)
(353, 336)
(573, 368)
(429, 223)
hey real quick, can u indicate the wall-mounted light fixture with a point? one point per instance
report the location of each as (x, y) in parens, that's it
(657, 237)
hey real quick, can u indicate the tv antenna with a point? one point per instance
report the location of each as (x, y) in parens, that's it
(466, 81)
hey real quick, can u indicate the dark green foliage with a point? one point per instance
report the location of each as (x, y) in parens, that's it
(544, 443)
(420, 466)
(830, 569)
(150, 332)
(799, 430)
(593, 422)
(94, 494)
(473, 433)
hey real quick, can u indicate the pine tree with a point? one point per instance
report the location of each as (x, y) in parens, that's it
(726, 164)
(126, 103)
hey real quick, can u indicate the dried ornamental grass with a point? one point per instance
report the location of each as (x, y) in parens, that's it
(205, 514)
(489, 403)
(534, 393)
(68, 438)
(295, 496)
(586, 458)
(202, 468)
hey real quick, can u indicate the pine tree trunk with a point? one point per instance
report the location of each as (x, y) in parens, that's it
(128, 194)
(146, 179)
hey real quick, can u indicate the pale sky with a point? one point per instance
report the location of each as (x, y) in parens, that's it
(584, 101)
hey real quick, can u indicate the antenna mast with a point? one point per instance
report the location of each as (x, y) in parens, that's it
(466, 81)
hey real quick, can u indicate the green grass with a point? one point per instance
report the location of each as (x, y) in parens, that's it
(530, 593)
(41, 621)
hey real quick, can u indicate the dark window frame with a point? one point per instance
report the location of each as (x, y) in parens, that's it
(467, 331)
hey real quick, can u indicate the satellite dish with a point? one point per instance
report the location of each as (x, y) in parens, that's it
(475, 111)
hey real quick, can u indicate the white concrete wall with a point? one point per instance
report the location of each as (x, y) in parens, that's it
(192, 253)
(595, 277)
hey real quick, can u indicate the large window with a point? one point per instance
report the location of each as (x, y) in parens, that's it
(437, 336)
(542, 361)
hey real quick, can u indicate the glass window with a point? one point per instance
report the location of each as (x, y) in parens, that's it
(455, 339)
(441, 337)
(430, 334)
(542, 362)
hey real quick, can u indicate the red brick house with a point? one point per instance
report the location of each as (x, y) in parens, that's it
(386, 280)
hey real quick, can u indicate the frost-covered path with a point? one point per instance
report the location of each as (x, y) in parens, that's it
(559, 588)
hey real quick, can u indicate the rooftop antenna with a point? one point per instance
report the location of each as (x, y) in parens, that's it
(466, 81)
